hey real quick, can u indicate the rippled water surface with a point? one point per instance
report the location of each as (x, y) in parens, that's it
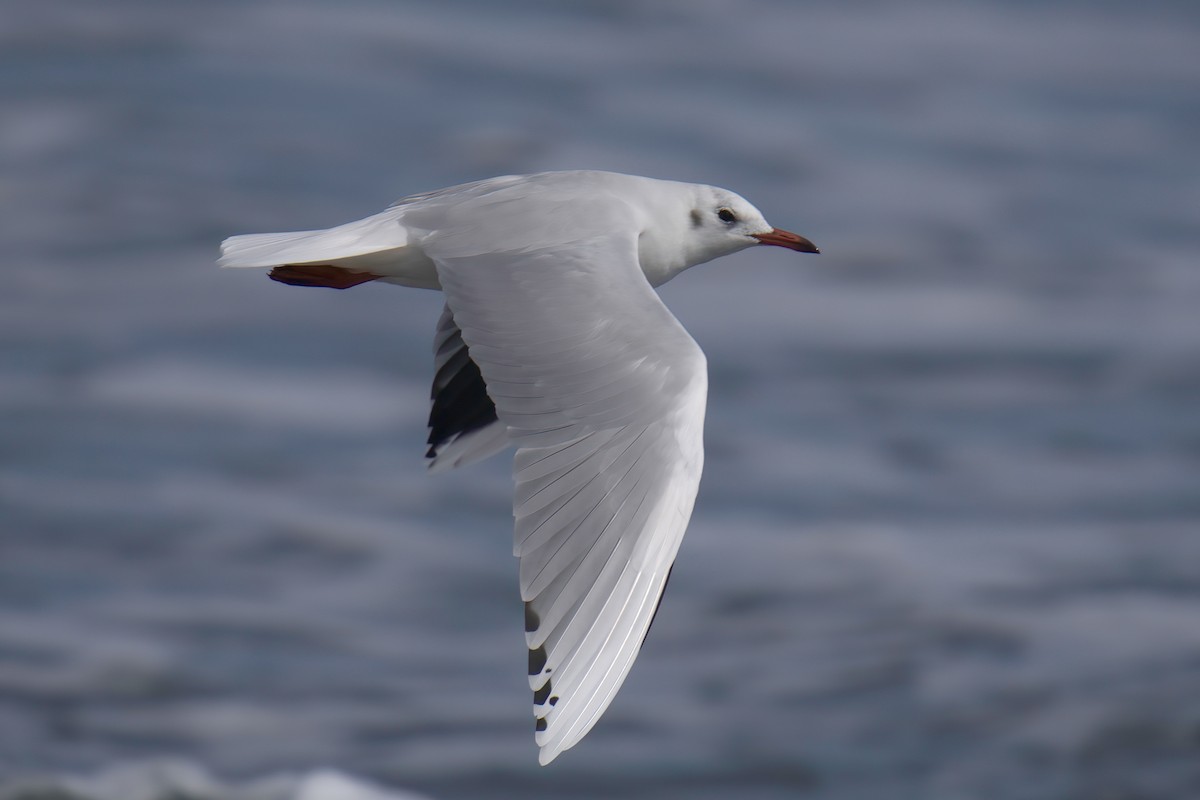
(948, 540)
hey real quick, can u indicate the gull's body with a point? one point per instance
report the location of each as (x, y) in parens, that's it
(553, 340)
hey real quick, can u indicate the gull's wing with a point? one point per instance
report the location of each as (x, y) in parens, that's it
(462, 421)
(603, 392)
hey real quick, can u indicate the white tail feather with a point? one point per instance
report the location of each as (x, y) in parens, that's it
(375, 233)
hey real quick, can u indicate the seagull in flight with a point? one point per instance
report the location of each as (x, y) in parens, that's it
(553, 340)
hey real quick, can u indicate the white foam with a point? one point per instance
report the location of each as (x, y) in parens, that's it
(344, 400)
(172, 778)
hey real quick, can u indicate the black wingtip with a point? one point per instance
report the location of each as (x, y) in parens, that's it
(537, 660)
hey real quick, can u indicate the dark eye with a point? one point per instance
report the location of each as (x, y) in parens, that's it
(726, 215)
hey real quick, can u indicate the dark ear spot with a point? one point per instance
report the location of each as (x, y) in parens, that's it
(697, 218)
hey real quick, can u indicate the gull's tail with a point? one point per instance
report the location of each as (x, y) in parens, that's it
(374, 235)
(377, 246)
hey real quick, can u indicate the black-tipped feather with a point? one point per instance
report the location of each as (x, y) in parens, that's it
(658, 605)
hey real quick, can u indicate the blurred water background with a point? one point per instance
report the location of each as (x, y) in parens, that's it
(948, 541)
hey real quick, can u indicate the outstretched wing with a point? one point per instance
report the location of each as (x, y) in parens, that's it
(603, 392)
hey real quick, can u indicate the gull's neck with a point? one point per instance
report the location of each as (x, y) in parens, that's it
(664, 247)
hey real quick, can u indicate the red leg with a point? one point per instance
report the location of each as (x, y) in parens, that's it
(320, 275)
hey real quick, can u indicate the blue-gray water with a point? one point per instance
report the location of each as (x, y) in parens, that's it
(948, 541)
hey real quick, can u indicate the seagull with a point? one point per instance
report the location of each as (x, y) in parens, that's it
(553, 339)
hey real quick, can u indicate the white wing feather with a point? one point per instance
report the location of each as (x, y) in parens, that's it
(603, 392)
